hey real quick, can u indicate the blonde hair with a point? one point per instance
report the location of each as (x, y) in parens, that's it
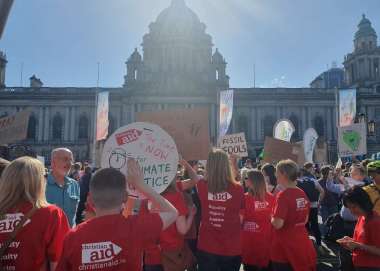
(259, 186)
(218, 171)
(22, 181)
(289, 169)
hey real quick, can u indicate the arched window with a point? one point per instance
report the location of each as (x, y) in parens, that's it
(83, 128)
(111, 125)
(318, 124)
(32, 128)
(267, 124)
(217, 75)
(242, 125)
(296, 135)
(57, 127)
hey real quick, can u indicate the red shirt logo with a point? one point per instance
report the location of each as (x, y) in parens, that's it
(224, 196)
(99, 252)
(9, 223)
(128, 136)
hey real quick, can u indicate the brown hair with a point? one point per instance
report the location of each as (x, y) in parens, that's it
(259, 188)
(218, 171)
(325, 171)
(288, 168)
(108, 188)
(308, 165)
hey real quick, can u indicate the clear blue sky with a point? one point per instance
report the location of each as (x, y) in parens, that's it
(291, 41)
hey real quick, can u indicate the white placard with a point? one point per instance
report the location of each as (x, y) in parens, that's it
(309, 140)
(234, 144)
(283, 130)
(151, 146)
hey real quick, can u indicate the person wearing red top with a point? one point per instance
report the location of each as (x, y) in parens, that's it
(222, 198)
(365, 245)
(291, 247)
(256, 235)
(38, 243)
(110, 241)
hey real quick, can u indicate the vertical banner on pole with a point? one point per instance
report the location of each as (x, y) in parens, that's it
(102, 116)
(309, 140)
(226, 106)
(347, 107)
(283, 130)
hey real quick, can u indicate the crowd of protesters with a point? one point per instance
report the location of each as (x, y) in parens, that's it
(211, 217)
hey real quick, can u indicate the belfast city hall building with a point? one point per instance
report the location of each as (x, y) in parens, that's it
(178, 67)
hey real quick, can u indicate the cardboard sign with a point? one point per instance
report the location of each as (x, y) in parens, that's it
(14, 128)
(299, 151)
(188, 127)
(151, 146)
(352, 140)
(276, 150)
(234, 144)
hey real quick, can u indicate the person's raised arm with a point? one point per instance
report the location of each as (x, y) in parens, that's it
(167, 211)
(194, 178)
(184, 223)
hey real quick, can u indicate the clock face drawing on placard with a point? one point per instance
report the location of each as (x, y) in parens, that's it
(118, 158)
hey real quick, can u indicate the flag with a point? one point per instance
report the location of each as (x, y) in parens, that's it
(309, 140)
(102, 116)
(225, 110)
(347, 107)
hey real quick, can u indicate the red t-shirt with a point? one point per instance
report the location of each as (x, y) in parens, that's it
(219, 232)
(110, 242)
(38, 241)
(291, 243)
(367, 232)
(171, 239)
(256, 235)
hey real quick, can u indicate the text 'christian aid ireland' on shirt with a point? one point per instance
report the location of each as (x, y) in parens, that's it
(110, 242)
(39, 240)
(219, 232)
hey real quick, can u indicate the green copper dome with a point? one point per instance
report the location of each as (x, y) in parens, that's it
(365, 29)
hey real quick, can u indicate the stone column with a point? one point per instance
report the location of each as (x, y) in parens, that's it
(132, 110)
(72, 123)
(253, 123)
(329, 123)
(258, 123)
(40, 124)
(47, 124)
(66, 125)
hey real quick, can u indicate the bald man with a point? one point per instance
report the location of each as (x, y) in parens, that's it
(60, 189)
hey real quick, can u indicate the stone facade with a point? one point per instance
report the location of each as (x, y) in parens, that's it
(178, 69)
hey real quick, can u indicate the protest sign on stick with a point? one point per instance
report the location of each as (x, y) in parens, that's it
(276, 150)
(352, 140)
(154, 150)
(14, 128)
(188, 127)
(234, 144)
(283, 130)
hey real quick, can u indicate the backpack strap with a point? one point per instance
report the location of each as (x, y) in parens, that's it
(13, 234)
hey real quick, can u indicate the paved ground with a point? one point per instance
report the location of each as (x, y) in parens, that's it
(329, 261)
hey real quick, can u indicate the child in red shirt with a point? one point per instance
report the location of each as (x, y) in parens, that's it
(256, 235)
(38, 243)
(365, 244)
(222, 198)
(291, 247)
(110, 240)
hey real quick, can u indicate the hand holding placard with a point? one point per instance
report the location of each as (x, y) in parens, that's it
(134, 172)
